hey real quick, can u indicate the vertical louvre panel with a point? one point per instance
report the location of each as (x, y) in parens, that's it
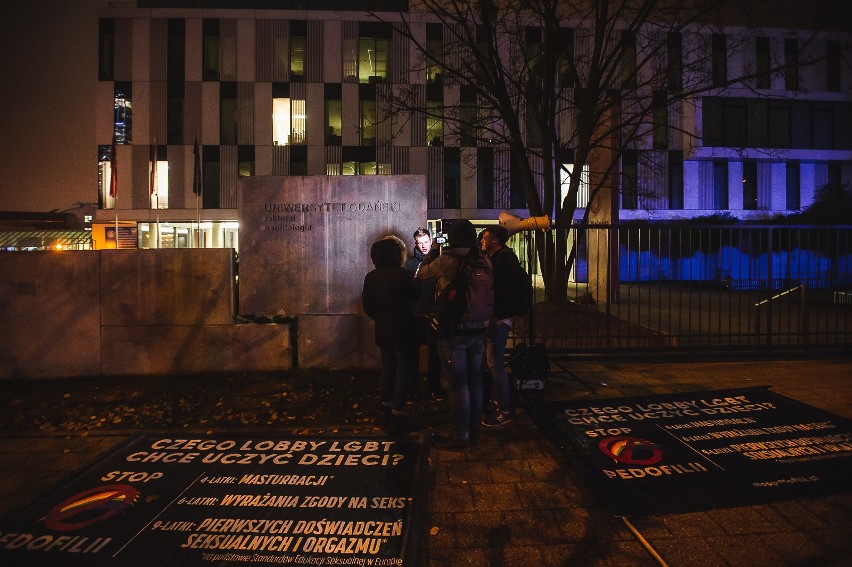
(653, 181)
(314, 55)
(454, 52)
(350, 51)
(228, 49)
(418, 119)
(400, 160)
(159, 48)
(333, 160)
(280, 160)
(178, 187)
(192, 112)
(228, 177)
(123, 49)
(264, 50)
(400, 58)
(537, 164)
(705, 185)
(764, 186)
(384, 128)
(384, 159)
(435, 178)
(280, 51)
(159, 93)
(502, 178)
(245, 109)
(141, 197)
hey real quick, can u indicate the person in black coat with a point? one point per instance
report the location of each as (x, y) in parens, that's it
(425, 250)
(388, 299)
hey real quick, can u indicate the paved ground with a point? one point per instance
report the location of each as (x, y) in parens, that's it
(515, 500)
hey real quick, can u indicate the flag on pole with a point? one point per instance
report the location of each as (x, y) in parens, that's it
(153, 179)
(196, 173)
(113, 167)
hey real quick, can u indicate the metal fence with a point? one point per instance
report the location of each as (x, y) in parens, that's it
(639, 288)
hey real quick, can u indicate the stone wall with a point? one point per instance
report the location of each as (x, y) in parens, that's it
(128, 312)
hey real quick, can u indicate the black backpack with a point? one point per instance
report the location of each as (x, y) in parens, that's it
(467, 299)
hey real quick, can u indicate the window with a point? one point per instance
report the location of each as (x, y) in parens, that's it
(298, 160)
(281, 114)
(211, 64)
(467, 116)
(485, 178)
(373, 52)
(434, 123)
(210, 174)
(720, 185)
(762, 63)
(534, 61)
(158, 177)
(628, 60)
(675, 179)
(106, 49)
(288, 117)
(660, 121)
(778, 124)
(333, 114)
(720, 60)
(452, 178)
(434, 53)
(565, 182)
(791, 64)
(674, 62)
(298, 43)
(629, 187)
(359, 160)
(750, 185)
(123, 112)
(793, 186)
(735, 122)
(757, 127)
(105, 201)
(175, 76)
(245, 161)
(832, 66)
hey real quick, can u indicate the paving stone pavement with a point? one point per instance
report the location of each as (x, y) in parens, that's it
(515, 500)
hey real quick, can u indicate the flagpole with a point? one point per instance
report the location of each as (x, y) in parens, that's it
(113, 184)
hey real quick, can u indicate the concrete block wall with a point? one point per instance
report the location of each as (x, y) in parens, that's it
(128, 312)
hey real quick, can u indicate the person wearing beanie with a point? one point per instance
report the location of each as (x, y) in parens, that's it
(461, 353)
(388, 299)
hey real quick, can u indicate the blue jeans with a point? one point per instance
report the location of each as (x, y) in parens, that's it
(495, 349)
(461, 356)
(394, 377)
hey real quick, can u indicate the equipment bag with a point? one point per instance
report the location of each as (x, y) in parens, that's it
(466, 301)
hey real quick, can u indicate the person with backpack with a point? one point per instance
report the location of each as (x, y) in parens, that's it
(388, 299)
(463, 306)
(511, 287)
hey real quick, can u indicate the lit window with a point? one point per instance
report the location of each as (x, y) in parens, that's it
(373, 59)
(434, 123)
(565, 180)
(288, 121)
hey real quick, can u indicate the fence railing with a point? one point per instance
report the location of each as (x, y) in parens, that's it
(635, 288)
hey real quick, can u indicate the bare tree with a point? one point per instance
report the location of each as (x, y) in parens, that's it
(570, 87)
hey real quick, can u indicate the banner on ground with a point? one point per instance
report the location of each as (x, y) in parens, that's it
(227, 500)
(702, 450)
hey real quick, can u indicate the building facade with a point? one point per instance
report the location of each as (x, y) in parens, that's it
(190, 99)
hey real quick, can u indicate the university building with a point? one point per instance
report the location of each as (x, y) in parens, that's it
(213, 91)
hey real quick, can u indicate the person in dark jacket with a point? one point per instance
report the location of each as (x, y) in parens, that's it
(509, 279)
(461, 353)
(388, 297)
(423, 249)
